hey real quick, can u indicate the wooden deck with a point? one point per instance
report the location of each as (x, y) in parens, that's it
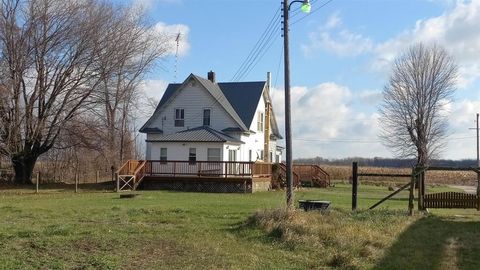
(172, 174)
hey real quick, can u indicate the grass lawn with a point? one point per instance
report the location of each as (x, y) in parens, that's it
(171, 230)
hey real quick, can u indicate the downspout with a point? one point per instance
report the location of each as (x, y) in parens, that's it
(268, 109)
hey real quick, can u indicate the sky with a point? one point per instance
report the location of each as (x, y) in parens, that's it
(340, 54)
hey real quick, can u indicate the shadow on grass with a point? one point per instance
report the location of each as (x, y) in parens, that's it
(435, 243)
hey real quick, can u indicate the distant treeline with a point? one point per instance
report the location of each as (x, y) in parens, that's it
(385, 162)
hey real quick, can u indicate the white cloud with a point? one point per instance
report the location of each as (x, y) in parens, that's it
(461, 142)
(148, 4)
(327, 121)
(324, 123)
(171, 32)
(335, 38)
(333, 21)
(153, 88)
(370, 97)
(457, 30)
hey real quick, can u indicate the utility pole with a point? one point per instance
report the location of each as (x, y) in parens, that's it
(288, 117)
(478, 156)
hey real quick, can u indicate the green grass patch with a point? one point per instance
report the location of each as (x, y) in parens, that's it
(172, 230)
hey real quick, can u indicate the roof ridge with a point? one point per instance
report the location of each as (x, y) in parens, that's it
(222, 100)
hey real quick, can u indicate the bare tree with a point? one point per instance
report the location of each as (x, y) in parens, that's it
(413, 124)
(136, 51)
(52, 60)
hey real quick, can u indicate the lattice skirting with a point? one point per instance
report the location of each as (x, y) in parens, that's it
(212, 187)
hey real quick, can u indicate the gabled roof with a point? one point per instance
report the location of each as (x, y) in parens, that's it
(244, 97)
(198, 134)
(239, 99)
(218, 94)
(212, 88)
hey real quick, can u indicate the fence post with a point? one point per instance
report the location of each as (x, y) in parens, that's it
(37, 182)
(478, 183)
(354, 185)
(76, 182)
(420, 178)
(411, 197)
(118, 182)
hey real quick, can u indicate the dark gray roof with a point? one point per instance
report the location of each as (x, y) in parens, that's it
(244, 97)
(198, 134)
(218, 94)
(239, 99)
(168, 93)
(232, 129)
(152, 130)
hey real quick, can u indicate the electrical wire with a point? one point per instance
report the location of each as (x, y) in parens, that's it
(309, 14)
(260, 42)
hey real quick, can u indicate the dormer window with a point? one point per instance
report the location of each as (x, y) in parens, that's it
(260, 121)
(179, 117)
(206, 117)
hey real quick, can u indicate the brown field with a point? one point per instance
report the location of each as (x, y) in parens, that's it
(343, 173)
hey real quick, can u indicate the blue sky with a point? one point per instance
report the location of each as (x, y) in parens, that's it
(340, 60)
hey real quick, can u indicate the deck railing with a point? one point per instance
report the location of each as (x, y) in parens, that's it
(129, 167)
(179, 168)
(262, 168)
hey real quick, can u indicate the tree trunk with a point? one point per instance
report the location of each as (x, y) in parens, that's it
(23, 165)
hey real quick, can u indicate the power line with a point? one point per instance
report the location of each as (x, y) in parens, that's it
(259, 43)
(278, 68)
(260, 54)
(313, 11)
(362, 141)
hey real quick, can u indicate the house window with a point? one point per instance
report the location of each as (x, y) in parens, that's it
(250, 155)
(260, 121)
(192, 155)
(163, 155)
(206, 117)
(179, 117)
(271, 157)
(213, 154)
(261, 154)
(277, 158)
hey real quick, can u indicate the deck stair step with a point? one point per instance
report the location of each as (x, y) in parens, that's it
(130, 175)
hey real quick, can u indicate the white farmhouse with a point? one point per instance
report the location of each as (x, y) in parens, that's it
(202, 120)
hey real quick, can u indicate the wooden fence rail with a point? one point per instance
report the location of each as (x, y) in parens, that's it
(451, 200)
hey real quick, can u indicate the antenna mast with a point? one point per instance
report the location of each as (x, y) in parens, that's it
(177, 39)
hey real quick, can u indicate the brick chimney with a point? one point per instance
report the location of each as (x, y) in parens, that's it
(211, 76)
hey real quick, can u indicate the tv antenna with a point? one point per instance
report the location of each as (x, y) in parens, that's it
(177, 39)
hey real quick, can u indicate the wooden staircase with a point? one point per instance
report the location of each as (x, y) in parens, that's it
(316, 176)
(283, 175)
(130, 175)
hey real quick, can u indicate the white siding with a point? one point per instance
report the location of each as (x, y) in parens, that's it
(180, 151)
(255, 142)
(193, 99)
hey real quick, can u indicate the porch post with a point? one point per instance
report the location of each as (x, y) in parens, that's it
(226, 169)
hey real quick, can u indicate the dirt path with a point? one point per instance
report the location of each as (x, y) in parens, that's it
(467, 189)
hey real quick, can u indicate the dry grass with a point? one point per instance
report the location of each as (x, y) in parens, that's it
(343, 173)
(336, 238)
